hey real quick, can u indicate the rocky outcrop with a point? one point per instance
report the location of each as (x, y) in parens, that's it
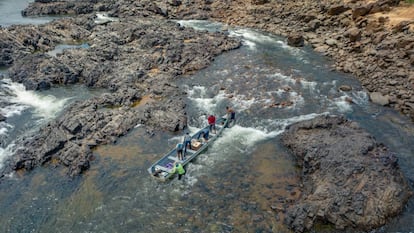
(134, 61)
(19, 41)
(101, 120)
(52, 7)
(349, 180)
(295, 40)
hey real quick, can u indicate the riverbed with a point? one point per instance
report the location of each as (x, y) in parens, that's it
(239, 184)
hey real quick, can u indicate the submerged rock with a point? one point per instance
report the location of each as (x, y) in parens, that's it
(378, 98)
(295, 40)
(349, 180)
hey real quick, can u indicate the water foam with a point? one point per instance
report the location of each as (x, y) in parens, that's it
(5, 153)
(280, 124)
(4, 128)
(251, 38)
(360, 98)
(342, 104)
(246, 136)
(15, 100)
(103, 18)
(201, 25)
(294, 51)
(198, 94)
(45, 106)
(240, 139)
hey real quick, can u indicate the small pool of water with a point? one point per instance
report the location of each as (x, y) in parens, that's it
(10, 13)
(60, 48)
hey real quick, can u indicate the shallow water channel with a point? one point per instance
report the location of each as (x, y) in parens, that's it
(244, 179)
(10, 13)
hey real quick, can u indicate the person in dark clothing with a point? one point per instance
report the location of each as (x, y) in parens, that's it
(179, 148)
(204, 134)
(187, 142)
(231, 114)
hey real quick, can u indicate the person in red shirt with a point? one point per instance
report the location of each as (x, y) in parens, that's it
(212, 123)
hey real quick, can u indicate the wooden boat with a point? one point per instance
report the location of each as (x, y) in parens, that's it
(161, 170)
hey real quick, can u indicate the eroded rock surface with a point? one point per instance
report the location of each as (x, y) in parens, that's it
(134, 59)
(348, 179)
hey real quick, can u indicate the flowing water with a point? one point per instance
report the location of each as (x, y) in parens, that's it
(10, 13)
(244, 179)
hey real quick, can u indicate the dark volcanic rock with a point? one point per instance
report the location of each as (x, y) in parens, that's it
(337, 9)
(50, 71)
(50, 7)
(349, 179)
(295, 40)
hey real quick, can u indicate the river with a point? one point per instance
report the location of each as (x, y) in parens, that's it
(10, 13)
(235, 186)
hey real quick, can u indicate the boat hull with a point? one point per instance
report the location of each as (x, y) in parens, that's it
(162, 169)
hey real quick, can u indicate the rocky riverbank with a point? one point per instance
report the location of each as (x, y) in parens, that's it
(373, 40)
(364, 38)
(349, 179)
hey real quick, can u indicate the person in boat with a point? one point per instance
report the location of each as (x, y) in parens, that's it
(204, 134)
(187, 142)
(178, 168)
(231, 113)
(179, 148)
(212, 123)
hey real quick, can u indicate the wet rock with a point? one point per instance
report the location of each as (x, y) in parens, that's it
(49, 71)
(47, 7)
(338, 9)
(259, 2)
(379, 98)
(345, 88)
(2, 118)
(343, 170)
(295, 40)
